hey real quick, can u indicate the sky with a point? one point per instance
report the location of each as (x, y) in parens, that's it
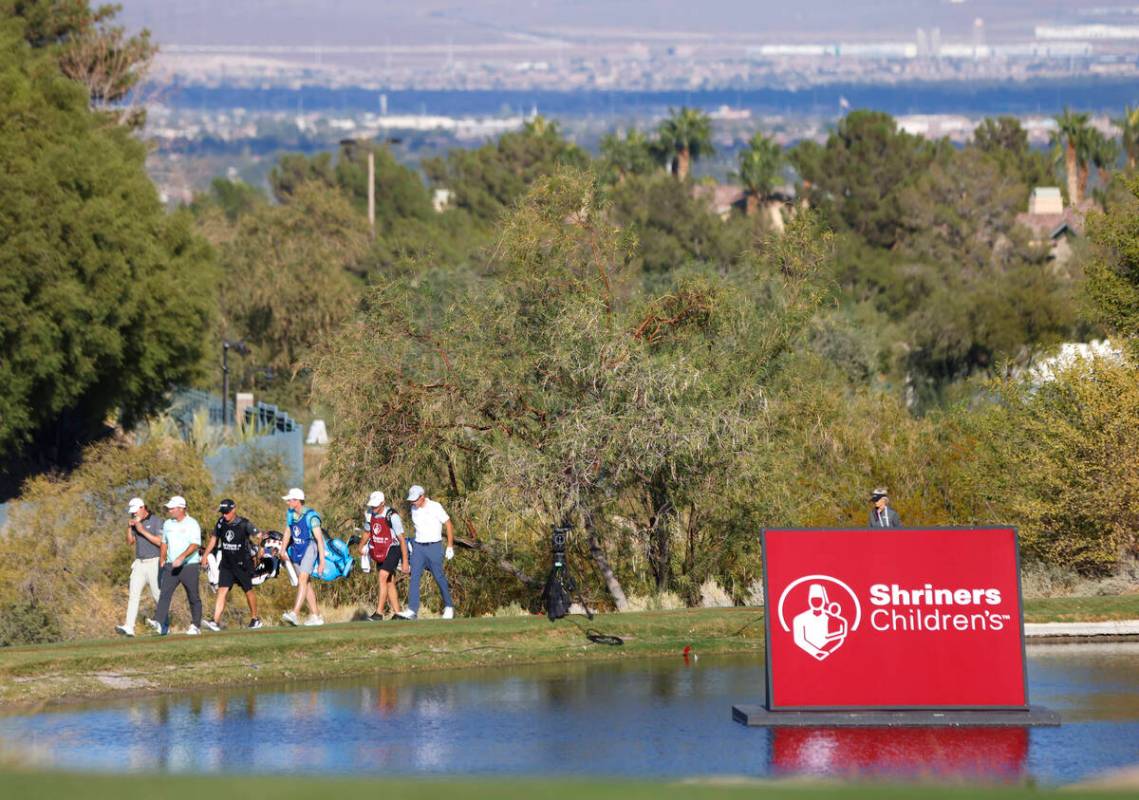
(491, 23)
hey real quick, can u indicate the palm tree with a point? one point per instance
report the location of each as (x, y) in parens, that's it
(760, 163)
(1129, 125)
(622, 157)
(685, 135)
(1104, 155)
(1071, 133)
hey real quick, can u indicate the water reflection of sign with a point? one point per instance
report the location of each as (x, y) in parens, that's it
(892, 618)
(977, 753)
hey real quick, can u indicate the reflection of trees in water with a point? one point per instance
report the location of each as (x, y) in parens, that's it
(382, 698)
(304, 704)
(250, 704)
(560, 694)
(662, 683)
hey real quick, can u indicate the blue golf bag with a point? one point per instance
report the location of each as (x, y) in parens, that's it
(338, 560)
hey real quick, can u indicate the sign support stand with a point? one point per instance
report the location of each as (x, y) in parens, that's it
(757, 716)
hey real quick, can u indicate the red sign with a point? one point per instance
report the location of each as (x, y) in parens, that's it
(893, 618)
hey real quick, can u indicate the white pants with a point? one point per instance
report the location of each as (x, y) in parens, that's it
(144, 572)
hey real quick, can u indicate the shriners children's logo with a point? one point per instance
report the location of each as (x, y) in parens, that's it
(823, 616)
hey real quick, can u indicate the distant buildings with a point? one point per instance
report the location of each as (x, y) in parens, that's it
(1051, 224)
(722, 199)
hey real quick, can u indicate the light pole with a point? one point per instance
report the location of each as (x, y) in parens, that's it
(349, 147)
(241, 349)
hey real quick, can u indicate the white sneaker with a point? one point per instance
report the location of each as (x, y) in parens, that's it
(290, 618)
(314, 620)
(448, 613)
(192, 630)
(407, 613)
(123, 630)
(154, 624)
(213, 626)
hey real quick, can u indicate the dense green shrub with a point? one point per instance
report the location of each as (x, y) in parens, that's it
(27, 622)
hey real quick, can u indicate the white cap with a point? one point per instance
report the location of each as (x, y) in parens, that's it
(415, 492)
(135, 504)
(177, 501)
(295, 494)
(375, 499)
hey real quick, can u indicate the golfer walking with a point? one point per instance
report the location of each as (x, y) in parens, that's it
(428, 520)
(144, 534)
(181, 558)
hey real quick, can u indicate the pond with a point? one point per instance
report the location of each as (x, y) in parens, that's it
(661, 718)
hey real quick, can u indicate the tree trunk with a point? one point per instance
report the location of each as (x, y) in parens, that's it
(683, 158)
(1070, 169)
(752, 204)
(1083, 173)
(690, 551)
(660, 535)
(611, 582)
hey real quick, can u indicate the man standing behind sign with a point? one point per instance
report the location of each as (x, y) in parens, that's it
(881, 515)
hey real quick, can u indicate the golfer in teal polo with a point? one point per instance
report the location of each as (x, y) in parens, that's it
(180, 557)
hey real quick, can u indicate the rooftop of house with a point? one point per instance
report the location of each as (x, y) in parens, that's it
(1052, 226)
(723, 197)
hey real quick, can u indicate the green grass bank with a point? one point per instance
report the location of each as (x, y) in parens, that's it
(35, 676)
(48, 786)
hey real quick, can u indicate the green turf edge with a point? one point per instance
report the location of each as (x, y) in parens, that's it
(50, 785)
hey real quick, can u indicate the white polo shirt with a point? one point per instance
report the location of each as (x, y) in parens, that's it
(428, 522)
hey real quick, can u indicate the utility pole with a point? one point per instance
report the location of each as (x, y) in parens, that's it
(242, 349)
(224, 382)
(349, 148)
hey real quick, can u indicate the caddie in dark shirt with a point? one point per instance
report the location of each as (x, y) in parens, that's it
(237, 540)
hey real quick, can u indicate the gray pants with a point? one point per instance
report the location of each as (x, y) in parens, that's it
(429, 557)
(168, 580)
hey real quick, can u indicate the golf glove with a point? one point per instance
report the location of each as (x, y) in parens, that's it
(450, 553)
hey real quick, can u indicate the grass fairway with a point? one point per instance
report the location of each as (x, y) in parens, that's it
(36, 675)
(48, 786)
(31, 677)
(1082, 609)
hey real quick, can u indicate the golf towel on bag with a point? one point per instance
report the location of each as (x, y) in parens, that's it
(338, 561)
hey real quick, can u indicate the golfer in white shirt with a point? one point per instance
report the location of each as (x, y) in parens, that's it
(428, 520)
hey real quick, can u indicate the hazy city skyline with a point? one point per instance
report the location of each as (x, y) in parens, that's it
(586, 22)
